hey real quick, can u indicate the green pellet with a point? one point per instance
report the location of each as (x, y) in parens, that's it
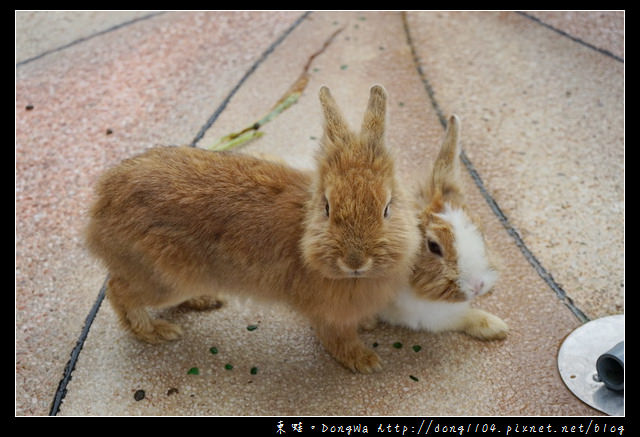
(193, 371)
(254, 370)
(252, 327)
(417, 348)
(228, 366)
(213, 350)
(414, 378)
(397, 345)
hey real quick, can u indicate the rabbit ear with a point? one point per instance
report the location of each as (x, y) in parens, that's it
(445, 183)
(336, 129)
(372, 131)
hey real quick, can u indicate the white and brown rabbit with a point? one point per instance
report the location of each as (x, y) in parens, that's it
(454, 264)
(179, 225)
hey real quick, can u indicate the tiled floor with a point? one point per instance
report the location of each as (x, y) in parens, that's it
(542, 126)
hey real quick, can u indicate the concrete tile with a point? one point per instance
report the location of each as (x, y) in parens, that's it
(154, 82)
(602, 29)
(457, 375)
(544, 125)
(42, 31)
(359, 57)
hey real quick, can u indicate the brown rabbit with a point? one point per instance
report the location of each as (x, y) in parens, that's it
(454, 264)
(178, 224)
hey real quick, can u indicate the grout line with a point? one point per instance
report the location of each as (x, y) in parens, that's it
(251, 70)
(61, 391)
(535, 263)
(576, 39)
(86, 38)
(529, 256)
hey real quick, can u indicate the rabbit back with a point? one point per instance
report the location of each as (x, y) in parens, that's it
(189, 216)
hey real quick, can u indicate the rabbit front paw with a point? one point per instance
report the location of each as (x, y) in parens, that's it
(361, 360)
(158, 331)
(485, 326)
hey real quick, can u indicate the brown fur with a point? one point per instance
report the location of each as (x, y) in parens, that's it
(435, 277)
(175, 224)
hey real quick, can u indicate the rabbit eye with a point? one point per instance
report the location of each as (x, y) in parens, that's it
(434, 248)
(326, 207)
(387, 210)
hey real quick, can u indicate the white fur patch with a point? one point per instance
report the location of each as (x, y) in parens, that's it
(421, 314)
(476, 275)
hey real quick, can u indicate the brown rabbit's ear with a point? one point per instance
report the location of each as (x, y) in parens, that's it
(336, 129)
(373, 125)
(445, 181)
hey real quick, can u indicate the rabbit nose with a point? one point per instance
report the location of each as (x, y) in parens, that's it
(355, 263)
(354, 259)
(477, 286)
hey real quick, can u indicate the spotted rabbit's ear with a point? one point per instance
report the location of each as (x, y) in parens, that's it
(373, 125)
(444, 184)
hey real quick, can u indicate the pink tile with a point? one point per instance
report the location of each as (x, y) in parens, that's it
(457, 374)
(602, 29)
(154, 82)
(157, 82)
(544, 126)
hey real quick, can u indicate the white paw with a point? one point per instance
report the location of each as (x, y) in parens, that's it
(485, 326)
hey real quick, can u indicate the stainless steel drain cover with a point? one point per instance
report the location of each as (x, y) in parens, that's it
(577, 363)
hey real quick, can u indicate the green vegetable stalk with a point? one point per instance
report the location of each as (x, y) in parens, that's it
(292, 95)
